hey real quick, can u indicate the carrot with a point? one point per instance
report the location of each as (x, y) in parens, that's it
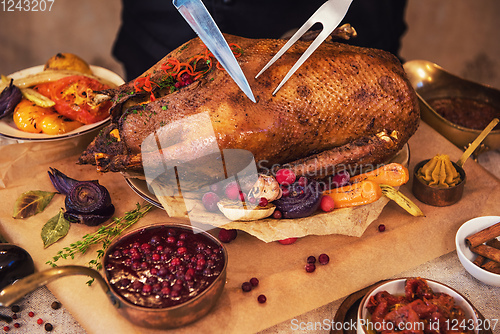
(392, 174)
(355, 194)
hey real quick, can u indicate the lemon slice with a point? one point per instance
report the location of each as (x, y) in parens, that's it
(236, 211)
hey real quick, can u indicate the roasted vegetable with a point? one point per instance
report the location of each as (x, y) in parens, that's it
(392, 174)
(67, 61)
(37, 98)
(61, 182)
(299, 200)
(9, 98)
(355, 194)
(88, 203)
(401, 200)
(28, 116)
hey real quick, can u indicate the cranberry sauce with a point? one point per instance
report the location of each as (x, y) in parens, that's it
(163, 266)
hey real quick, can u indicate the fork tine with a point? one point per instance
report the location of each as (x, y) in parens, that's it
(329, 15)
(314, 45)
(309, 23)
(298, 34)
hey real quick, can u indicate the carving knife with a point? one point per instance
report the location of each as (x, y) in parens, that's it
(200, 20)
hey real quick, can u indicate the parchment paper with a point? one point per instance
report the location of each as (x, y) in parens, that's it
(355, 261)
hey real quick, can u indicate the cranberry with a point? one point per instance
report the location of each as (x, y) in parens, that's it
(165, 291)
(261, 299)
(216, 188)
(145, 246)
(227, 236)
(277, 214)
(232, 191)
(287, 241)
(327, 203)
(201, 262)
(146, 288)
(209, 201)
(254, 281)
(246, 286)
(181, 250)
(17, 325)
(263, 202)
(156, 257)
(310, 267)
(171, 240)
(175, 261)
(39, 321)
(340, 179)
(302, 181)
(324, 259)
(311, 259)
(381, 228)
(155, 240)
(137, 285)
(285, 191)
(285, 176)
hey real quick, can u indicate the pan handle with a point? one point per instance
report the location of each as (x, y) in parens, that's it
(17, 290)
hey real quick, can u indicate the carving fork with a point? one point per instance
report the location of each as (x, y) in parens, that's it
(329, 15)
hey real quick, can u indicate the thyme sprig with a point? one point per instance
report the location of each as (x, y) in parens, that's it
(104, 236)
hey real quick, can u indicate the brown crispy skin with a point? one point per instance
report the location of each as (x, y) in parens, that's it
(335, 103)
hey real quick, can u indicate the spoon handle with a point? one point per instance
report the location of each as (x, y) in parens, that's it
(472, 147)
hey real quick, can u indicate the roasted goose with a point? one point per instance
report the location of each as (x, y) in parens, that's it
(346, 106)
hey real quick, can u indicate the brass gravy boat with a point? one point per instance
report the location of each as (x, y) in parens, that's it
(431, 81)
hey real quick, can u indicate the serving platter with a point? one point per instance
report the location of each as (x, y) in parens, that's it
(140, 186)
(9, 130)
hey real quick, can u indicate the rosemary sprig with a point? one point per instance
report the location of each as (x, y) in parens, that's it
(104, 235)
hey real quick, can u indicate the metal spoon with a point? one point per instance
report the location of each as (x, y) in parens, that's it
(472, 147)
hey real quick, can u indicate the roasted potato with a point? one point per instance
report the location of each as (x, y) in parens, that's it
(67, 61)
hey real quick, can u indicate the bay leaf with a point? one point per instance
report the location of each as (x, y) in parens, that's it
(32, 202)
(56, 228)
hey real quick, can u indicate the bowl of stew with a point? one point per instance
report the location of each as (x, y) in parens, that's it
(415, 304)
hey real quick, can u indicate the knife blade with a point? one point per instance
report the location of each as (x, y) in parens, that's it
(200, 20)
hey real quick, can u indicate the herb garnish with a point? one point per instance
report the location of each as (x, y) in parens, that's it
(104, 235)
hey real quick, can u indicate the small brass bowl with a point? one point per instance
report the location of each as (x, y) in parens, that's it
(431, 81)
(437, 196)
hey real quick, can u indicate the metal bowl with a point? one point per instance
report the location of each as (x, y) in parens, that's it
(159, 318)
(430, 81)
(437, 196)
(172, 316)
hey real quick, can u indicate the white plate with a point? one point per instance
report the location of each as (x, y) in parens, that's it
(140, 187)
(9, 130)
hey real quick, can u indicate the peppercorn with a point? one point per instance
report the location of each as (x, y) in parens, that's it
(49, 327)
(55, 305)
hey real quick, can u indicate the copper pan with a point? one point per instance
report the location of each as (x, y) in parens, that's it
(160, 318)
